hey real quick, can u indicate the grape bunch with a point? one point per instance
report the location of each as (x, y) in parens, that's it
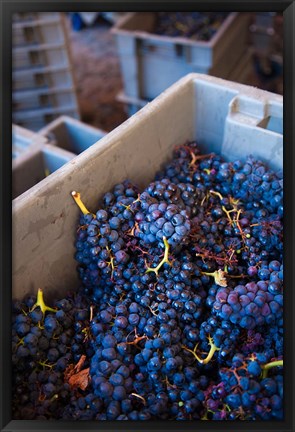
(249, 305)
(179, 314)
(158, 220)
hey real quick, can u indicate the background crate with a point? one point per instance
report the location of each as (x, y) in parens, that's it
(48, 77)
(224, 117)
(36, 155)
(23, 141)
(42, 55)
(40, 31)
(43, 98)
(150, 63)
(240, 73)
(31, 16)
(42, 81)
(39, 164)
(71, 134)
(38, 119)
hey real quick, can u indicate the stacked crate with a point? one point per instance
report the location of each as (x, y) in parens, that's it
(150, 62)
(43, 86)
(266, 34)
(35, 156)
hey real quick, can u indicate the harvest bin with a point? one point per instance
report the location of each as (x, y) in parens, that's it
(23, 141)
(150, 63)
(240, 74)
(49, 149)
(224, 117)
(42, 81)
(71, 134)
(40, 163)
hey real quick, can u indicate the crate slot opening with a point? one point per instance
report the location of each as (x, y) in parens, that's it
(272, 123)
(74, 138)
(35, 169)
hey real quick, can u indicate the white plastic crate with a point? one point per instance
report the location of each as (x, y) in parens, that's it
(32, 16)
(41, 31)
(37, 165)
(264, 19)
(224, 117)
(240, 74)
(36, 155)
(42, 78)
(71, 134)
(51, 54)
(38, 119)
(151, 63)
(23, 141)
(43, 98)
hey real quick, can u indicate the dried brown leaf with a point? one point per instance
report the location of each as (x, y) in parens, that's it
(80, 363)
(80, 379)
(72, 369)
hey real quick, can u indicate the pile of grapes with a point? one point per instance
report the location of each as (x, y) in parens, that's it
(199, 26)
(180, 311)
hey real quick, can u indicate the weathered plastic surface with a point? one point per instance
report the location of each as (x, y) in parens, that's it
(42, 78)
(38, 31)
(240, 73)
(38, 118)
(43, 85)
(33, 160)
(150, 63)
(43, 98)
(40, 163)
(32, 16)
(71, 134)
(23, 141)
(28, 56)
(224, 117)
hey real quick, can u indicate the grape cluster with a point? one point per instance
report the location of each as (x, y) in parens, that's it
(45, 341)
(245, 391)
(157, 220)
(180, 311)
(249, 305)
(195, 25)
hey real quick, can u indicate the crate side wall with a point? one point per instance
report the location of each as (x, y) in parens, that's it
(45, 219)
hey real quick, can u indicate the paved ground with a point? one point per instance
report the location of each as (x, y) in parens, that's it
(98, 76)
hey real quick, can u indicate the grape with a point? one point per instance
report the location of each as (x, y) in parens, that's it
(180, 306)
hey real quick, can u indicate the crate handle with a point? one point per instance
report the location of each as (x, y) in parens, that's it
(263, 113)
(180, 50)
(255, 126)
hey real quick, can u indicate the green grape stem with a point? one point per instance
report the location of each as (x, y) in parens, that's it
(210, 354)
(270, 365)
(40, 302)
(164, 260)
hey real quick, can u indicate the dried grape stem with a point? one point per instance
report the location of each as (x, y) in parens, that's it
(80, 204)
(164, 260)
(40, 302)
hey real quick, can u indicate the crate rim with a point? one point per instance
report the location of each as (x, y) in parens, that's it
(140, 117)
(35, 23)
(117, 30)
(67, 119)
